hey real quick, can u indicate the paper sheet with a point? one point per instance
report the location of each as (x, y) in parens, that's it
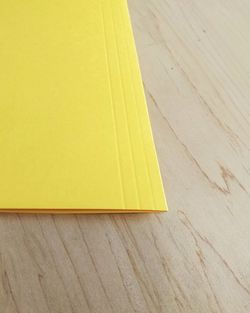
(75, 134)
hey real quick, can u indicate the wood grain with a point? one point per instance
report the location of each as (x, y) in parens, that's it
(195, 59)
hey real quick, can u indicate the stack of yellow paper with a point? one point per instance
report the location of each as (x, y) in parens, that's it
(74, 129)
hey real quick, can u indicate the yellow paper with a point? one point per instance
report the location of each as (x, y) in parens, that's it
(74, 129)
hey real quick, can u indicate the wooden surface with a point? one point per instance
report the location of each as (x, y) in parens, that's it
(195, 59)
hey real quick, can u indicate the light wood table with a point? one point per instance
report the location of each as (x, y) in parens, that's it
(195, 59)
